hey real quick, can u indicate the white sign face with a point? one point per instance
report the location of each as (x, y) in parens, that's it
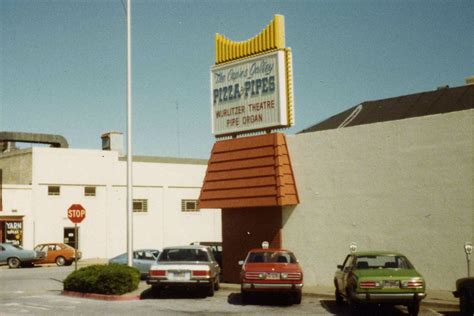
(249, 94)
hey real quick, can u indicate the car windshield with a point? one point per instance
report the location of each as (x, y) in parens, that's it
(271, 256)
(145, 254)
(183, 255)
(382, 261)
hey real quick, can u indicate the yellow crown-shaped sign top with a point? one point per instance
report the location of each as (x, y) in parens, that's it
(272, 37)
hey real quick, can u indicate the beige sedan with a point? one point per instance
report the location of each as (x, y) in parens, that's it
(189, 267)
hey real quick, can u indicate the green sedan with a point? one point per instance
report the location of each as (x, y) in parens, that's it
(379, 277)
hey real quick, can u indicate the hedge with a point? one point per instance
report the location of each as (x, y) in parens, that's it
(103, 279)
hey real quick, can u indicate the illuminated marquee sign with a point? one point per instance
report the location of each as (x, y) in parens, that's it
(251, 83)
(250, 94)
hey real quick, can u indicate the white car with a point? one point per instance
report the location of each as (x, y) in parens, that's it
(190, 267)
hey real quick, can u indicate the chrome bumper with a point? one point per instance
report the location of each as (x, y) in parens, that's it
(388, 297)
(276, 286)
(178, 282)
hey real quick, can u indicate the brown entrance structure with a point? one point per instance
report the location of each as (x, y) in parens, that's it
(250, 179)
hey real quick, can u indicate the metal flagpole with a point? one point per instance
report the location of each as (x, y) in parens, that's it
(129, 140)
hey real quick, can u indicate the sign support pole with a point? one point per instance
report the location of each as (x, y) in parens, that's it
(75, 246)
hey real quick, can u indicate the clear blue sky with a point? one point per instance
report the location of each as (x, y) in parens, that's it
(63, 62)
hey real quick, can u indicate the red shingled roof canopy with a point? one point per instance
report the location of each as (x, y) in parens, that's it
(249, 172)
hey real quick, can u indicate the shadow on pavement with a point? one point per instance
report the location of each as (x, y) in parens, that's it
(369, 310)
(265, 299)
(151, 293)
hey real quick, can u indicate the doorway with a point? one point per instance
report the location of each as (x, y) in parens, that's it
(70, 236)
(244, 229)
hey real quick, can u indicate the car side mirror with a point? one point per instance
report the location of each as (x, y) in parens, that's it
(241, 262)
(339, 266)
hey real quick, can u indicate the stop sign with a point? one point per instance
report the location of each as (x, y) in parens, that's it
(76, 213)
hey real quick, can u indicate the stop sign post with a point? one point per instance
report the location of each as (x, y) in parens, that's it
(76, 213)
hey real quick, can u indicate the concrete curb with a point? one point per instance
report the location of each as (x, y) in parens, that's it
(103, 297)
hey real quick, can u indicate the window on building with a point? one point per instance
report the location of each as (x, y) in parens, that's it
(140, 205)
(89, 191)
(189, 206)
(54, 190)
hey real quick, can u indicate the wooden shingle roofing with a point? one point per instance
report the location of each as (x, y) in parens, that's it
(249, 172)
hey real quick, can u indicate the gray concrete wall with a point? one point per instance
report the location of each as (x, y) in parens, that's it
(16, 167)
(402, 185)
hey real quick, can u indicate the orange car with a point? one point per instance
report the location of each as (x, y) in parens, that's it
(58, 253)
(271, 270)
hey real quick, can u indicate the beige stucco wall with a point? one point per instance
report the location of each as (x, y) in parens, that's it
(103, 232)
(16, 167)
(402, 185)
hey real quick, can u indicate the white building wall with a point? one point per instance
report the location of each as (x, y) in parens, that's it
(17, 202)
(402, 185)
(102, 234)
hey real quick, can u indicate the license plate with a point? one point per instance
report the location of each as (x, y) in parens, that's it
(391, 284)
(273, 276)
(179, 275)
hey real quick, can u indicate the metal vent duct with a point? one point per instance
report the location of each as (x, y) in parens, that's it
(35, 138)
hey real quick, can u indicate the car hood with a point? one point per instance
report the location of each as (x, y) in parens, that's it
(387, 273)
(277, 267)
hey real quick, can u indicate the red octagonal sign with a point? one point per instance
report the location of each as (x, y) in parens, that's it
(76, 213)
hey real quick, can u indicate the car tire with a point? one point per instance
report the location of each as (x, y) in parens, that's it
(244, 297)
(297, 297)
(210, 289)
(464, 305)
(156, 290)
(354, 307)
(14, 263)
(339, 298)
(60, 261)
(414, 309)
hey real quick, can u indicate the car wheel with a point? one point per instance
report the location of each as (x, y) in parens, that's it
(217, 285)
(244, 297)
(339, 298)
(297, 297)
(210, 289)
(354, 307)
(414, 309)
(464, 306)
(60, 261)
(156, 290)
(14, 263)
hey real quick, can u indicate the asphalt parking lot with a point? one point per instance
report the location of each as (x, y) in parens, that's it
(38, 291)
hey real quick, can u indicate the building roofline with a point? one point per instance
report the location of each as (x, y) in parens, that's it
(173, 160)
(440, 101)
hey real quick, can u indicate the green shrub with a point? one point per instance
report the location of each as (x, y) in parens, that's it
(103, 279)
